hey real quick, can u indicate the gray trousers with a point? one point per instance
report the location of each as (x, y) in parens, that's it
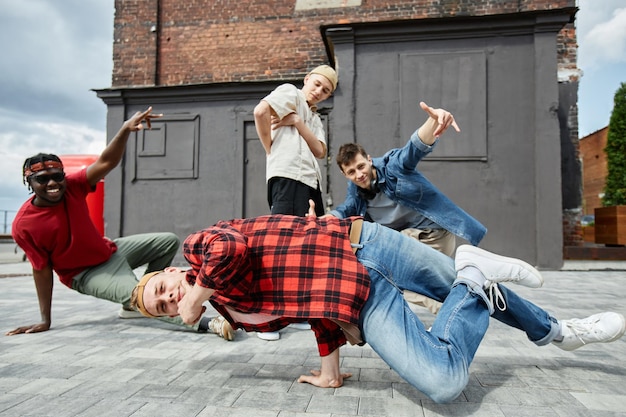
(114, 280)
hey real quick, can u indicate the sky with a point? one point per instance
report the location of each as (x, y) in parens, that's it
(54, 52)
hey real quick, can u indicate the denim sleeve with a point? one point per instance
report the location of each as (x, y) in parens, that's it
(413, 152)
(350, 205)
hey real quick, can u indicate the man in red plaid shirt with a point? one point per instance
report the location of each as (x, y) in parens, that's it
(346, 277)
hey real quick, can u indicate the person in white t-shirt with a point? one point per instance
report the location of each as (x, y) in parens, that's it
(293, 136)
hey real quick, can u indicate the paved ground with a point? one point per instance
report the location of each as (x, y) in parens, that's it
(93, 364)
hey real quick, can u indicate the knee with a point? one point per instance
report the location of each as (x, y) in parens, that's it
(445, 397)
(172, 240)
(445, 394)
(444, 390)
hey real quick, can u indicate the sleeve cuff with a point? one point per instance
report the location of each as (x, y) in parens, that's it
(203, 325)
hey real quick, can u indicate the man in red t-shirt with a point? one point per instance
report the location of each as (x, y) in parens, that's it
(56, 233)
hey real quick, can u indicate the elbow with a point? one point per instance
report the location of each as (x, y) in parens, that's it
(321, 153)
(261, 111)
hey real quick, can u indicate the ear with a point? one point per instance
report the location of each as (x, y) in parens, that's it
(171, 269)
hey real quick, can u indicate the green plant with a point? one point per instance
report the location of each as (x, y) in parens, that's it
(615, 188)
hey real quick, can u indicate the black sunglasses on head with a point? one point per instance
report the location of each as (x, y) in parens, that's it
(44, 179)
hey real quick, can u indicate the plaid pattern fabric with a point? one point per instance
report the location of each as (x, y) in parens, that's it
(293, 268)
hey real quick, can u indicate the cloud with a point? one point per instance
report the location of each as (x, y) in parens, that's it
(605, 41)
(53, 53)
(32, 136)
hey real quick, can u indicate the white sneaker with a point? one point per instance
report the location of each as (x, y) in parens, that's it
(300, 326)
(222, 328)
(599, 328)
(497, 268)
(129, 314)
(269, 336)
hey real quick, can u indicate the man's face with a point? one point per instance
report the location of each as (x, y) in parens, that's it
(317, 88)
(359, 171)
(49, 186)
(163, 292)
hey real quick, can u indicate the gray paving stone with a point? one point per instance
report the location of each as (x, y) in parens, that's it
(201, 394)
(460, 409)
(211, 411)
(601, 402)
(8, 401)
(570, 411)
(264, 384)
(46, 406)
(165, 409)
(157, 393)
(46, 387)
(93, 364)
(395, 407)
(112, 408)
(375, 374)
(107, 374)
(273, 401)
(284, 413)
(370, 389)
(237, 369)
(103, 389)
(333, 404)
(486, 395)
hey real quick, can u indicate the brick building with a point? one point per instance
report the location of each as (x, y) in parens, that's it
(506, 69)
(594, 168)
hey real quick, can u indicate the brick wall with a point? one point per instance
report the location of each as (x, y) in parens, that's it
(173, 42)
(594, 168)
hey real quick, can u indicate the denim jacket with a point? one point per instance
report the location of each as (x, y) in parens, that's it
(405, 185)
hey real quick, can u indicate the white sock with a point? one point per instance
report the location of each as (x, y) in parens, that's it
(473, 274)
(559, 337)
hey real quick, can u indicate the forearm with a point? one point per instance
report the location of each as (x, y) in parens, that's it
(199, 294)
(110, 157)
(317, 147)
(350, 206)
(44, 285)
(113, 153)
(190, 307)
(426, 132)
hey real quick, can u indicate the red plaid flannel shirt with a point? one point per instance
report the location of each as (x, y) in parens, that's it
(293, 268)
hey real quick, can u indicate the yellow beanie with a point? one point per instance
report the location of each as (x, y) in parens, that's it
(327, 72)
(140, 288)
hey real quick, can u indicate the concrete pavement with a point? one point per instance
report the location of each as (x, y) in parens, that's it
(93, 364)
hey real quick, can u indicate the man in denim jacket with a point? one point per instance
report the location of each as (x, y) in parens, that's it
(390, 190)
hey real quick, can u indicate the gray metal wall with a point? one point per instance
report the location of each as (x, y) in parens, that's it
(202, 161)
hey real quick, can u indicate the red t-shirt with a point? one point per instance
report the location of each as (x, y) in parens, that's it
(62, 235)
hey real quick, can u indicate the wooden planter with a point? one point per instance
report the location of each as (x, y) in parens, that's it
(610, 225)
(589, 234)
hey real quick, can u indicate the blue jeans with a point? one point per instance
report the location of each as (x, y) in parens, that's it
(435, 362)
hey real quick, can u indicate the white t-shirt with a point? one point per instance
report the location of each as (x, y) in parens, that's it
(290, 156)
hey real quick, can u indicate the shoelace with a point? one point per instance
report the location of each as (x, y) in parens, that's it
(495, 297)
(580, 328)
